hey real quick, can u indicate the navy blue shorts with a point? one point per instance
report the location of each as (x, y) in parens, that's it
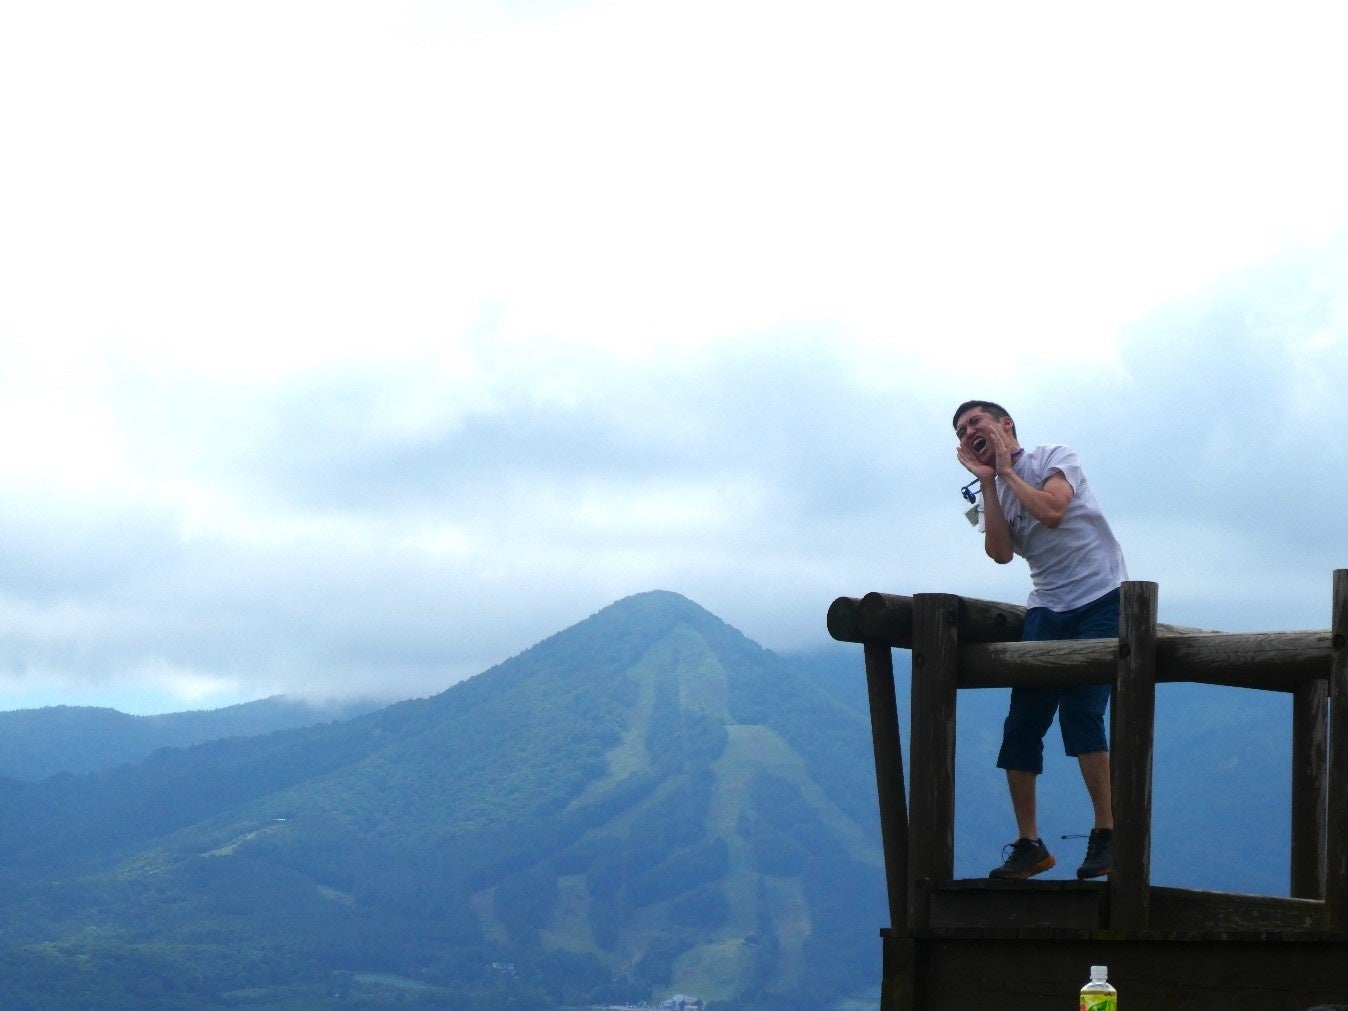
(1081, 709)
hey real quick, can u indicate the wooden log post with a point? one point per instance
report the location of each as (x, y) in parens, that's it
(1336, 850)
(1134, 709)
(931, 853)
(1310, 787)
(889, 784)
(898, 980)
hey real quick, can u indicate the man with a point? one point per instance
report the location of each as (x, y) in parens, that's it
(1037, 504)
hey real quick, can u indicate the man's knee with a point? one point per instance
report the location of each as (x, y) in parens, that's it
(1081, 718)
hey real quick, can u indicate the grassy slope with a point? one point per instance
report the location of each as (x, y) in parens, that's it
(716, 966)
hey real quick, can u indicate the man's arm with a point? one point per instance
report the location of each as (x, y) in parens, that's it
(1047, 504)
(996, 532)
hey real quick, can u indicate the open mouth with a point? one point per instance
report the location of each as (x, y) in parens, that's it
(980, 444)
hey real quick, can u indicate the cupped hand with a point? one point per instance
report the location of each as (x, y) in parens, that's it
(1001, 448)
(971, 464)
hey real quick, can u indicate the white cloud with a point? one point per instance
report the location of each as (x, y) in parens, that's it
(353, 347)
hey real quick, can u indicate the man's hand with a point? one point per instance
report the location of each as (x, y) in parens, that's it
(1001, 447)
(971, 464)
(988, 434)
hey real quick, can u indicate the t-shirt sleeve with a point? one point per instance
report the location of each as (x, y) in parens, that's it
(1064, 461)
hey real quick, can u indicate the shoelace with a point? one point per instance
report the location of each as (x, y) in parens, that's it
(1094, 842)
(1011, 847)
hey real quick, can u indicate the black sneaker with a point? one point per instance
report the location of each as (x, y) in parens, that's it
(1024, 858)
(1099, 854)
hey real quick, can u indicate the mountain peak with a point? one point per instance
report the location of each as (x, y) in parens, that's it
(628, 627)
(656, 601)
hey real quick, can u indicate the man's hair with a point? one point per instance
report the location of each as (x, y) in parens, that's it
(996, 410)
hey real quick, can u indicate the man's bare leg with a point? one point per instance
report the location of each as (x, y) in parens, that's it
(1023, 859)
(1023, 803)
(1095, 771)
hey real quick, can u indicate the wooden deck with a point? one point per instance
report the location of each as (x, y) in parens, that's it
(1034, 969)
(1029, 944)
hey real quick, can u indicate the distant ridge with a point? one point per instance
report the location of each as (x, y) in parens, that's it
(37, 743)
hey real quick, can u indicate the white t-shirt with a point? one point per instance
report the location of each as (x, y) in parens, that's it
(1079, 560)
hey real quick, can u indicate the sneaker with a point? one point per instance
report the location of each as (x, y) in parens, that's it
(1099, 854)
(1024, 858)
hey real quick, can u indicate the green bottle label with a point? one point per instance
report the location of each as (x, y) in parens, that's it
(1099, 1002)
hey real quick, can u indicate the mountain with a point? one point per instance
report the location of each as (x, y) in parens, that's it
(645, 803)
(37, 743)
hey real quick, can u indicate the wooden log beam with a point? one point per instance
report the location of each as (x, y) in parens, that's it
(1273, 661)
(842, 619)
(888, 618)
(1051, 664)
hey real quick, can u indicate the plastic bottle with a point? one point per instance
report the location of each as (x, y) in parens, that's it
(1098, 995)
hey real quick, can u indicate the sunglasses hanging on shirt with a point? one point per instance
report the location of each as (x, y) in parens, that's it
(970, 496)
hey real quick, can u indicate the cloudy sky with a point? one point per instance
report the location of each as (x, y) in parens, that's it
(353, 347)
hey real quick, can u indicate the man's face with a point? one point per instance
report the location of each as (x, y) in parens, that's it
(973, 429)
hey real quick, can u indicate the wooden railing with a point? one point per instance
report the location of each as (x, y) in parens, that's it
(958, 642)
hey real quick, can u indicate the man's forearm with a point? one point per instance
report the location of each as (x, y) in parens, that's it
(996, 532)
(1044, 505)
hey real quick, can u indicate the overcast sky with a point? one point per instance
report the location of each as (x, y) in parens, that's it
(352, 348)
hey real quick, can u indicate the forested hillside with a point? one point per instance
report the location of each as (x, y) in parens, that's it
(643, 804)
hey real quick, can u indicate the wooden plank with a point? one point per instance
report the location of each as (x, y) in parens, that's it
(1133, 708)
(1336, 850)
(931, 853)
(1222, 974)
(1187, 909)
(1273, 661)
(1080, 905)
(1310, 788)
(1075, 905)
(887, 747)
